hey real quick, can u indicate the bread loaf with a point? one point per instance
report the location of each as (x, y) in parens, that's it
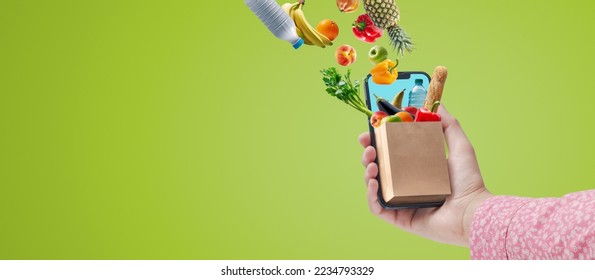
(436, 87)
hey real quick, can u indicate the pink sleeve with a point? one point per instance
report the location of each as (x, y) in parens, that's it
(506, 227)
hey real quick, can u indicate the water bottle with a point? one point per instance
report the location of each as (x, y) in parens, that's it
(278, 22)
(417, 97)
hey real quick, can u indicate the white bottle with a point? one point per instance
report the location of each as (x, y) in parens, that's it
(417, 97)
(278, 22)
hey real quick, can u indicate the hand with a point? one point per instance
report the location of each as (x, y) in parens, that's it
(449, 223)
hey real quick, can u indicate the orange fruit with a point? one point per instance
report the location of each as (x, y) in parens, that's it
(405, 116)
(328, 28)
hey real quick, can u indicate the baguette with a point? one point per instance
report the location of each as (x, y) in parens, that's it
(436, 87)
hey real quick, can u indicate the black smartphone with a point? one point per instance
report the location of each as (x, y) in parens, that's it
(412, 83)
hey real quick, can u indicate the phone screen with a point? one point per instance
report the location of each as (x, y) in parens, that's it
(406, 81)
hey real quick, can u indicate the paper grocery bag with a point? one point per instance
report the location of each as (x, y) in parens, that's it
(412, 164)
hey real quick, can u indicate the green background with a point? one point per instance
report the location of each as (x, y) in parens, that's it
(185, 130)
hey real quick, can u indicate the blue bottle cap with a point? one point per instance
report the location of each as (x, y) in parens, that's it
(298, 44)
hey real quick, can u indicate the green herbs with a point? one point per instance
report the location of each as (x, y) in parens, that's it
(341, 87)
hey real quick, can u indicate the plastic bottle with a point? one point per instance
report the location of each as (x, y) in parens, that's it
(417, 97)
(277, 21)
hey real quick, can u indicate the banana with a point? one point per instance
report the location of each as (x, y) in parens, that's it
(289, 8)
(310, 33)
(307, 40)
(321, 36)
(299, 33)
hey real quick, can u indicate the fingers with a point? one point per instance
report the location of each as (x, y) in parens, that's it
(457, 141)
(390, 216)
(364, 139)
(369, 155)
(371, 172)
(372, 195)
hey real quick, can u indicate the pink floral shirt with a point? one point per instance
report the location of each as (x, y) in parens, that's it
(506, 227)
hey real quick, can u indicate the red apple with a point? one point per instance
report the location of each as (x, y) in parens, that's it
(376, 119)
(345, 55)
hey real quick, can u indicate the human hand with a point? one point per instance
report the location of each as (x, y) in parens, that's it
(449, 223)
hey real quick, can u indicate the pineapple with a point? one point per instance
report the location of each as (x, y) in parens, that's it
(385, 14)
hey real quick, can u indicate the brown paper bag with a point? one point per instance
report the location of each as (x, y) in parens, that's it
(412, 164)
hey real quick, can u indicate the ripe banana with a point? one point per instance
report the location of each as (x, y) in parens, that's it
(306, 41)
(310, 35)
(289, 8)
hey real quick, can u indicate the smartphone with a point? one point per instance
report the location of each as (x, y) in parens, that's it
(405, 81)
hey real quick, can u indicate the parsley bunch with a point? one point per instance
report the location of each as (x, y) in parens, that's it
(341, 87)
